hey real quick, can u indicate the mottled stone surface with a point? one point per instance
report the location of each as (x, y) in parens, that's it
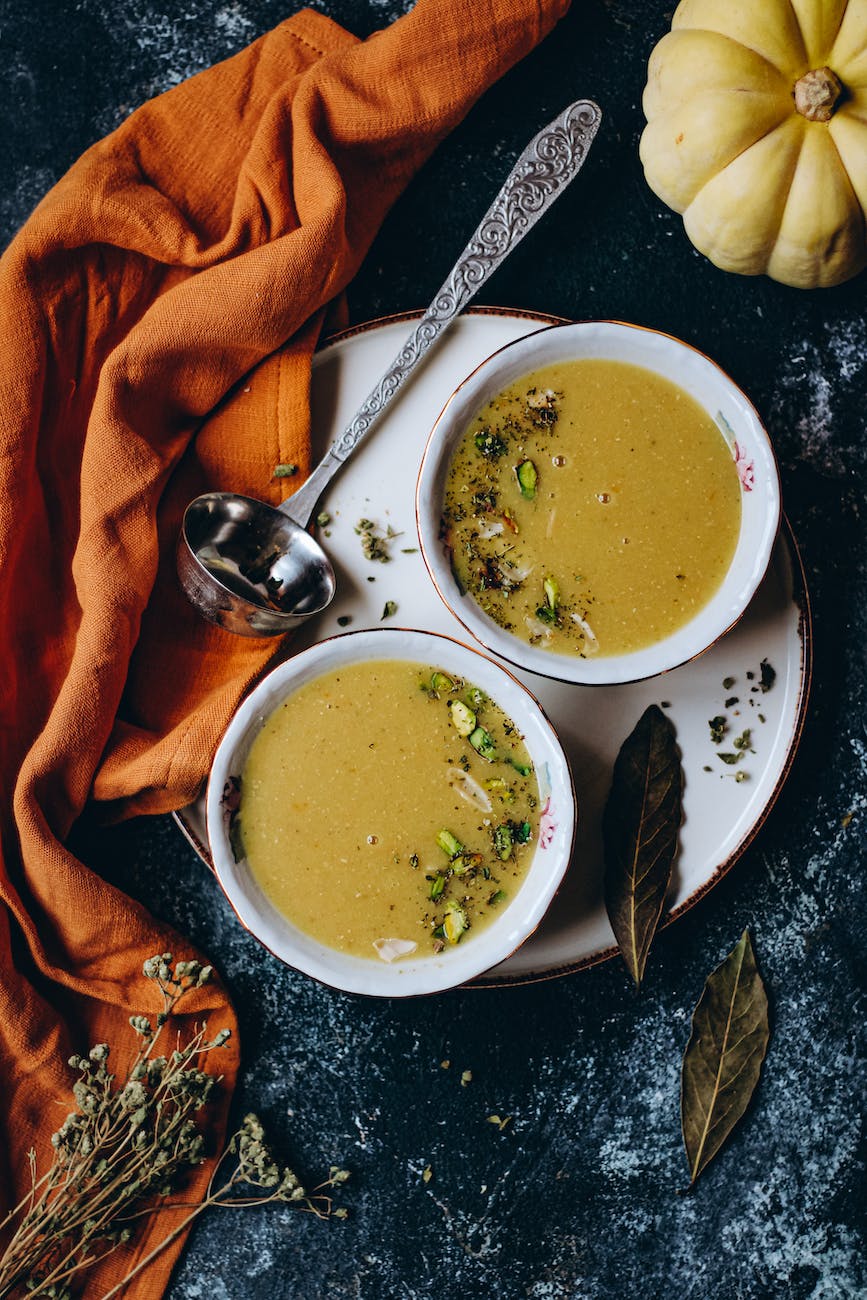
(580, 1196)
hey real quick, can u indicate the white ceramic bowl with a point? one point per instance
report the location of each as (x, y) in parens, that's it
(736, 419)
(477, 953)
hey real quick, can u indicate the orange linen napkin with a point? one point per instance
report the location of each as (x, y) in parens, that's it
(135, 306)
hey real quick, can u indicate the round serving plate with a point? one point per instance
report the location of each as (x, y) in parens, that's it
(721, 814)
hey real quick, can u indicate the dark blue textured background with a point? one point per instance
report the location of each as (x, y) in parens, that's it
(579, 1197)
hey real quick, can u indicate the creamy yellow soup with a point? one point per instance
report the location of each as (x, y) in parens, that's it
(592, 508)
(388, 809)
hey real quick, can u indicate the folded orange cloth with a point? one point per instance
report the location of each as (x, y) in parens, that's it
(171, 263)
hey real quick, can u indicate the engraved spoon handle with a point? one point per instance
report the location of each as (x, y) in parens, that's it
(547, 165)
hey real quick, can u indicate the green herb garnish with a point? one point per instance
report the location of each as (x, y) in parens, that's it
(717, 728)
(769, 676)
(284, 471)
(489, 444)
(389, 609)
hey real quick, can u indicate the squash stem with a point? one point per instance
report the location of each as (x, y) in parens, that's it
(817, 94)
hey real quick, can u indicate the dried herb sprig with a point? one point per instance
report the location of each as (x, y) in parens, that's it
(126, 1145)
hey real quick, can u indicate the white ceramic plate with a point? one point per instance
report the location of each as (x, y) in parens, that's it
(721, 815)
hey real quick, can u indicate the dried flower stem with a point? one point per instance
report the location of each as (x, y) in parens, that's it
(125, 1145)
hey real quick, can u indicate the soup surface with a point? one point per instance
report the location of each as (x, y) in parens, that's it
(592, 508)
(389, 808)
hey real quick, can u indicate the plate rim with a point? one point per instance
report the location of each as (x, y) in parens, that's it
(800, 597)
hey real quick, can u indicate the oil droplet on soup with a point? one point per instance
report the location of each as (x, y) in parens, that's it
(389, 808)
(592, 508)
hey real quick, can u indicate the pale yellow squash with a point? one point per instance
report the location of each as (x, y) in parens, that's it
(757, 133)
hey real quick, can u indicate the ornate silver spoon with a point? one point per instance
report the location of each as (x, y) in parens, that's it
(253, 568)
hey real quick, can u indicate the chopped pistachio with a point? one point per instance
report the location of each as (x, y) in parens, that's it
(552, 593)
(527, 479)
(503, 842)
(498, 896)
(323, 519)
(449, 843)
(437, 885)
(481, 741)
(524, 768)
(284, 471)
(454, 922)
(426, 1174)
(466, 1077)
(462, 717)
(466, 862)
(441, 682)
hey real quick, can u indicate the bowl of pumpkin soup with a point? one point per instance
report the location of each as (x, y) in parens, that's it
(598, 502)
(391, 812)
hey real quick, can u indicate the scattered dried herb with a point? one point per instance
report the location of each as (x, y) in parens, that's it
(717, 728)
(125, 1147)
(323, 519)
(375, 542)
(344, 620)
(728, 683)
(730, 758)
(723, 1058)
(284, 471)
(389, 609)
(768, 676)
(640, 827)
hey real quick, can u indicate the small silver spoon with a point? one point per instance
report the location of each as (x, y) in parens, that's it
(253, 568)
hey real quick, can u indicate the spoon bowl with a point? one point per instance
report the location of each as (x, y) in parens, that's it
(249, 567)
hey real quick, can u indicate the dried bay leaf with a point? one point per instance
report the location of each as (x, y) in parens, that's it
(640, 828)
(723, 1058)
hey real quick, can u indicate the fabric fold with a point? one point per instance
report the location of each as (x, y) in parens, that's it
(158, 315)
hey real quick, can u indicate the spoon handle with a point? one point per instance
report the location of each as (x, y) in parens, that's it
(547, 165)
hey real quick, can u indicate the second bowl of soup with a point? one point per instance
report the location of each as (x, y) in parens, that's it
(598, 502)
(391, 812)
